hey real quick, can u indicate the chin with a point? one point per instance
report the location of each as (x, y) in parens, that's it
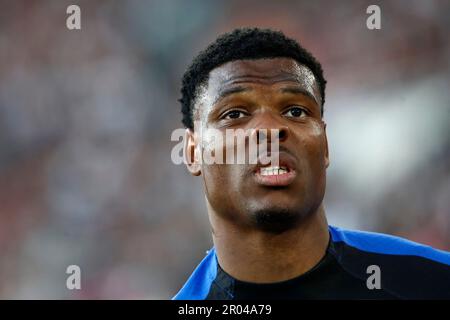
(275, 220)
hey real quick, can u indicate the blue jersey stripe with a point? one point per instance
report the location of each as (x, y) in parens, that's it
(387, 244)
(198, 285)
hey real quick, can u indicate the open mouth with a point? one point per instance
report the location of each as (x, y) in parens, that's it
(271, 171)
(281, 175)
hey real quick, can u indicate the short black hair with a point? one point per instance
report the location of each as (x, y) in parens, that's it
(240, 44)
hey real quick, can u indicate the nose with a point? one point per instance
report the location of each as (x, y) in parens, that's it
(268, 127)
(269, 135)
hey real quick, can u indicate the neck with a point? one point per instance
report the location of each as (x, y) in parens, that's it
(261, 257)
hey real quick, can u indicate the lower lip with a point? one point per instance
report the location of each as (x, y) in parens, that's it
(277, 180)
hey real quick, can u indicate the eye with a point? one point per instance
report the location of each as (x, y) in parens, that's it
(234, 114)
(295, 112)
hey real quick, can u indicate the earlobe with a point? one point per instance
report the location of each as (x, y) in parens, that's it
(191, 158)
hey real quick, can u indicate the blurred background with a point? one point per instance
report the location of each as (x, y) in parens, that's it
(86, 116)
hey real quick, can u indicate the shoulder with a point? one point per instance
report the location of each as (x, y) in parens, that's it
(408, 270)
(387, 244)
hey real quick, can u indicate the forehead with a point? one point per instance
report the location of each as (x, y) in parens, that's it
(262, 71)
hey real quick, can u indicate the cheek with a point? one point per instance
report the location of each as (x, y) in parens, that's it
(223, 187)
(221, 180)
(313, 165)
(314, 146)
(316, 130)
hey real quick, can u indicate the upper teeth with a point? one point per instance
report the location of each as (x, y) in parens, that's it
(270, 171)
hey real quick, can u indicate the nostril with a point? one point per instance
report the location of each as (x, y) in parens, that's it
(267, 134)
(283, 134)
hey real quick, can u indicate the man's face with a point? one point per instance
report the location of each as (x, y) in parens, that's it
(266, 94)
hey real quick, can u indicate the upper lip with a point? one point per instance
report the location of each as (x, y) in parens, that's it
(286, 159)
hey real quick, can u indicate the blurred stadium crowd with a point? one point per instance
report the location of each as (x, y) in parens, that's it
(86, 118)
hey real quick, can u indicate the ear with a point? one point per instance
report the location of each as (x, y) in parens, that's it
(191, 154)
(327, 159)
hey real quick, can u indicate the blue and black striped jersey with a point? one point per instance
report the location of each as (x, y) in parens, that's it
(357, 265)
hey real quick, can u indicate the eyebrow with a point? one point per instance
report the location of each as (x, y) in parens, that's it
(224, 93)
(299, 90)
(239, 89)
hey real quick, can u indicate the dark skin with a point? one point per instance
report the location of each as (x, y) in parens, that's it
(264, 234)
